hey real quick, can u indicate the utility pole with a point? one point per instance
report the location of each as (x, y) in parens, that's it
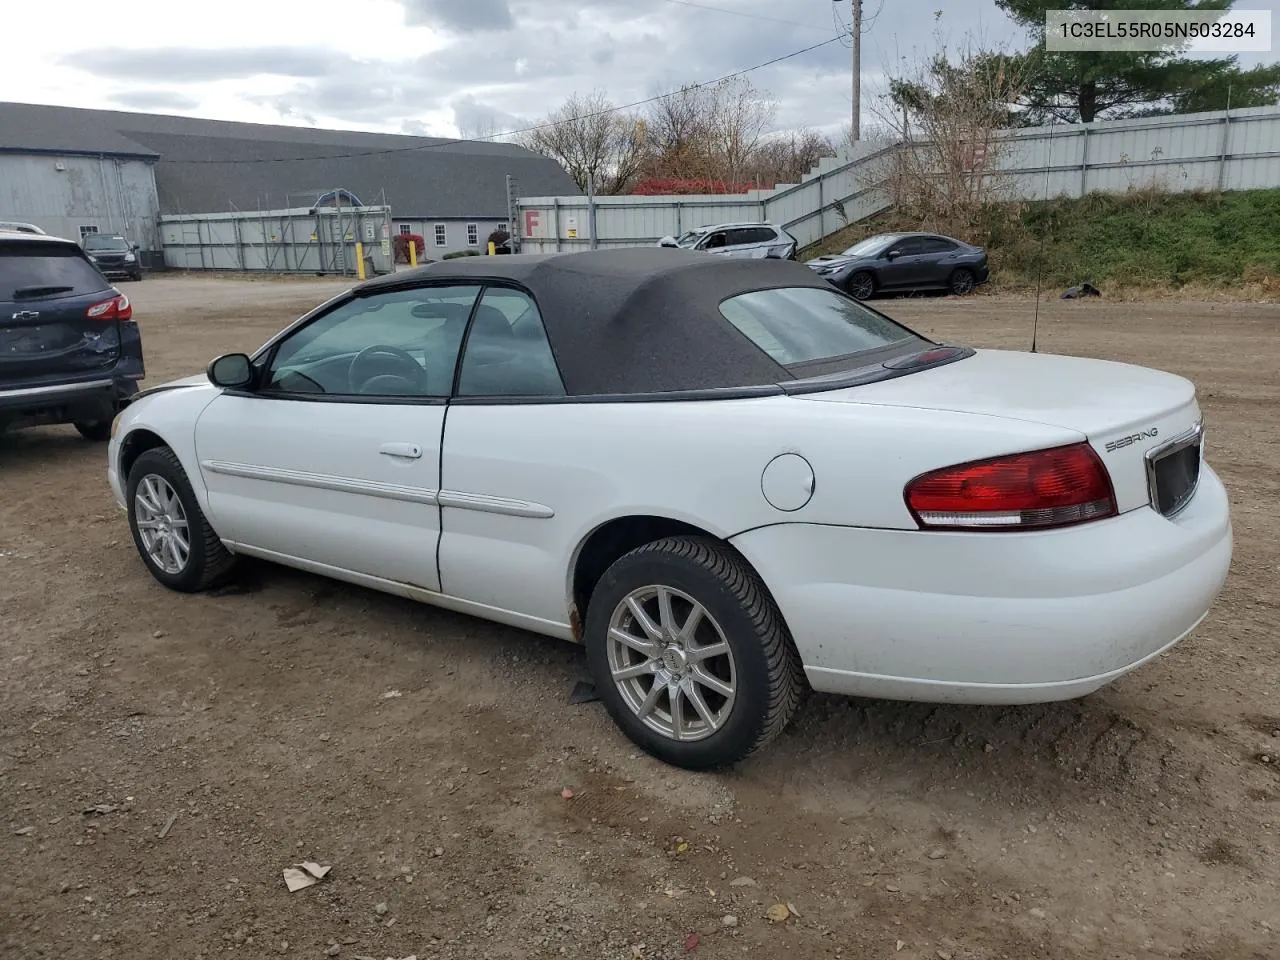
(856, 37)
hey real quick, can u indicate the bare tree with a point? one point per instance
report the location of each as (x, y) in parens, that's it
(679, 125)
(593, 141)
(787, 157)
(708, 133)
(952, 117)
(739, 116)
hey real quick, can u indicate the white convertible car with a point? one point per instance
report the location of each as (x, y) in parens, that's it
(729, 480)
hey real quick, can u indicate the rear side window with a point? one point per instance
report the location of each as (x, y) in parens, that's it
(803, 325)
(507, 352)
(34, 271)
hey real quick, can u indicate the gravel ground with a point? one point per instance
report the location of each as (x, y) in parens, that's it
(163, 758)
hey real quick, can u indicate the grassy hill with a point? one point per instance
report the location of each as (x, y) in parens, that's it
(1140, 242)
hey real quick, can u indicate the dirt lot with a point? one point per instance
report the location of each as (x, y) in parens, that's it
(423, 754)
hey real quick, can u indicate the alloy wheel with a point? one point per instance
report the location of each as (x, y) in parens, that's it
(672, 663)
(162, 524)
(862, 286)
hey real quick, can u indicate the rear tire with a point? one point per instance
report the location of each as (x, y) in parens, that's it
(174, 540)
(732, 669)
(99, 431)
(963, 282)
(861, 286)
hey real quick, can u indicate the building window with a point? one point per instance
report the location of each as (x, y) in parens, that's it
(441, 237)
(473, 235)
(500, 227)
(86, 230)
(406, 229)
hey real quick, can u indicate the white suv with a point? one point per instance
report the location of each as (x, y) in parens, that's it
(744, 240)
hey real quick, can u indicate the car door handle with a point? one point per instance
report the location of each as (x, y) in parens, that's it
(407, 451)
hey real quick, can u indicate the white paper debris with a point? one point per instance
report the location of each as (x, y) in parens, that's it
(296, 880)
(303, 875)
(393, 695)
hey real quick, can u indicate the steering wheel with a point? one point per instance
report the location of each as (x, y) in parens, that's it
(385, 361)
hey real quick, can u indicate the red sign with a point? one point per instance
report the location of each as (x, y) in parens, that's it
(530, 222)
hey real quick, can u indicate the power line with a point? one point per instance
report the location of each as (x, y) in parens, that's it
(511, 133)
(742, 13)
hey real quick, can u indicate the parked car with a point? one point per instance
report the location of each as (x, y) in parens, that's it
(70, 351)
(114, 254)
(17, 226)
(905, 263)
(730, 481)
(745, 240)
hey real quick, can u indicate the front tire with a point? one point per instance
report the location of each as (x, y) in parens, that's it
(173, 538)
(861, 286)
(690, 655)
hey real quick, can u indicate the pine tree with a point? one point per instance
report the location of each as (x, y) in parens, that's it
(1092, 86)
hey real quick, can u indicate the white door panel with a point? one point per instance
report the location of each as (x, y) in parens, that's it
(352, 485)
(511, 508)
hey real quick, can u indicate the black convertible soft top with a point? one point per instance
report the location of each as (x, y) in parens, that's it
(636, 320)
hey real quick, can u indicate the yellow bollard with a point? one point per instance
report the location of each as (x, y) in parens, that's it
(360, 260)
(493, 249)
(413, 254)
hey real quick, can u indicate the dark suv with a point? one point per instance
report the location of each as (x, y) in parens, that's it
(115, 255)
(70, 351)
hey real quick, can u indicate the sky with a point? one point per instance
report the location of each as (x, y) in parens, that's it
(467, 67)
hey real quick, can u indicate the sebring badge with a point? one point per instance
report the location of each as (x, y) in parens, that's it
(1133, 438)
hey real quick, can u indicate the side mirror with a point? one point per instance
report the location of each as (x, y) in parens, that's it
(892, 255)
(231, 371)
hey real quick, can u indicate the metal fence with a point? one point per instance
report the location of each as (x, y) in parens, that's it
(1235, 150)
(298, 240)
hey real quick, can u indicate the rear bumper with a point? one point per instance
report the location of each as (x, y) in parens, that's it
(89, 400)
(994, 618)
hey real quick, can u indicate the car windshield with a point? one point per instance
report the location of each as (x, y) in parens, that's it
(97, 242)
(805, 325)
(690, 238)
(870, 246)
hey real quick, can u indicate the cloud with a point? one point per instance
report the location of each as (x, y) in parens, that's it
(460, 16)
(155, 99)
(506, 63)
(193, 64)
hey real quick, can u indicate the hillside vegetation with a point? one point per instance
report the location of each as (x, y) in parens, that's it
(1142, 240)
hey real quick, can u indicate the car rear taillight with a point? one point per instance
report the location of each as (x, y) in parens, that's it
(1025, 491)
(117, 308)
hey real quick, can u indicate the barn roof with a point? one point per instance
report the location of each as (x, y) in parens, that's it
(201, 164)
